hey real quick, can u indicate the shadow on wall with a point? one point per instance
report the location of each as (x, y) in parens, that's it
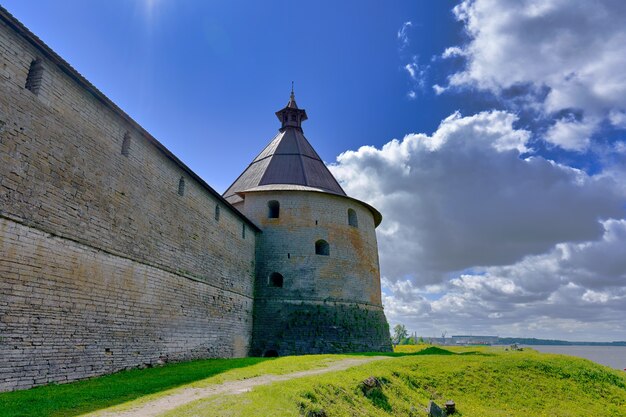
(102, 392)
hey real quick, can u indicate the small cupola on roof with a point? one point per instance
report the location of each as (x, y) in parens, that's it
(291, 115)
(288, 162)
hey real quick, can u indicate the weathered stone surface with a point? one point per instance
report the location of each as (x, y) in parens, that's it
(69, 311)
(103, 265)
(327, 303)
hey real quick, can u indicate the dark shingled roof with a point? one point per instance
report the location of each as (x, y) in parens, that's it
(289, 159)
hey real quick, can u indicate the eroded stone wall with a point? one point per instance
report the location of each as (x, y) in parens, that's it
(111, 252)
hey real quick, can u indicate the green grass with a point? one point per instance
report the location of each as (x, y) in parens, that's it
(94, 394)
(80, 397)
(484, 382)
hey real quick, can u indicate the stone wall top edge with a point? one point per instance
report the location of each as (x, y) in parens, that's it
(378, 217)
(73, 74)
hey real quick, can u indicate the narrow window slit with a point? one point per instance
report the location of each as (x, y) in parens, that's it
(34, 77)
(181, 186)
(126, 144)
(273, 209)
(352, 219)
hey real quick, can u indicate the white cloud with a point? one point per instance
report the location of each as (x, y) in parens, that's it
(453, 51)
(575, 291)
(463, 197)
(570, 134)
(403, 36)
(411, 68)
(618, 118)
(577, 50)
(476, 232)
(439, 89)
(417, 75)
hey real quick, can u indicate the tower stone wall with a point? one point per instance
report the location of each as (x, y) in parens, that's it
(287, 246)
(326, 303)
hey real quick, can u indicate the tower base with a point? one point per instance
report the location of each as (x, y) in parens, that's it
(310, 327)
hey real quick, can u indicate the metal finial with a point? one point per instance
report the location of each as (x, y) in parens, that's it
(293, 96)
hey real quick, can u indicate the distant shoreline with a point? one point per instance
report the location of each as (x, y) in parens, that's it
(548, 342)
(613, 356)
(530, 341)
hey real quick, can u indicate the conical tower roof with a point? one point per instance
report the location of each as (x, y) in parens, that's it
(288, 162)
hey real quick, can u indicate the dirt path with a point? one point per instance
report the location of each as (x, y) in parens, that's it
(187, 395)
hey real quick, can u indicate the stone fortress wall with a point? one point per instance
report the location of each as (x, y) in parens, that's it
(113, 254)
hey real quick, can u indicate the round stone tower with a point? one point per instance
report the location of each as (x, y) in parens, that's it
(317, 286)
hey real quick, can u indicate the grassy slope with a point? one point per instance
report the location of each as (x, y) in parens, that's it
(485, 383)
(98, 393)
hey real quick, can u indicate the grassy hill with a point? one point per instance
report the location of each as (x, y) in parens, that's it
(483, 382)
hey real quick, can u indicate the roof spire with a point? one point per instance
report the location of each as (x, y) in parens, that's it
(292, 99)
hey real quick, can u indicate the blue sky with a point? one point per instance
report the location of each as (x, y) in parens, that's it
(205, 77)
(490, 134)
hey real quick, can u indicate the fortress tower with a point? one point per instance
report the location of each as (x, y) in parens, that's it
(114, 254)
(317, 287)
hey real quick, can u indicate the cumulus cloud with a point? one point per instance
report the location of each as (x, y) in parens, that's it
(464, 196)
(574, 288)
(574, 50)
(476, 228)
(571, 135)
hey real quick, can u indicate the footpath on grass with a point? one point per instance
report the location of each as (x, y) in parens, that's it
(183, 396)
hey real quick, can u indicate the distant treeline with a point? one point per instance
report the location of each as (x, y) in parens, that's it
(533, 341)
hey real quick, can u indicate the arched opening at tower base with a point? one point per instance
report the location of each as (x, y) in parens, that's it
(276, 280)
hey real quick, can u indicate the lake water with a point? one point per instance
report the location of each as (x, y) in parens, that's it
(613, 356)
